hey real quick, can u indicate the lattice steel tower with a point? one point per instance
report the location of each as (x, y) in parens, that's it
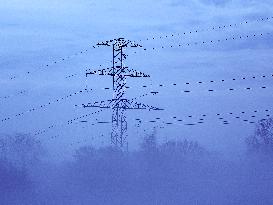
(119, 104)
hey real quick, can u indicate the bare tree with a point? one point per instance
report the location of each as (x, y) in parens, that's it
(20, 150)
(3, 149)
(185, 147)
(262, 140)
(149, 143)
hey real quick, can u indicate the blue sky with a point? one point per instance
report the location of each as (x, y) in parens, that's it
(38, 33)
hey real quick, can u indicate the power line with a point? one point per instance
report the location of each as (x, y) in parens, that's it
(68, 122)
(246, 37)
(78, 119)
(183, 45)
(184, 120)
(33, 109)
(208, 42)
(52, 63)
(18, 93)
(186, 90)
(171, 46)
(244, 77)
(212, 28)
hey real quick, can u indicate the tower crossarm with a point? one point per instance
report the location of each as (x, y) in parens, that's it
(127, 72)
(120, 42)
(120, 104)
(136, 105)
(101, 104)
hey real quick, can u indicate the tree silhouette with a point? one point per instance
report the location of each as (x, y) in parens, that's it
(20, 150)
(262, 140)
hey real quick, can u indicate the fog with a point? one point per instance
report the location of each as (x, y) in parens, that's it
(174, 172)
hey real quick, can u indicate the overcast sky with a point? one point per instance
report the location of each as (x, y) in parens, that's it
(37, 33)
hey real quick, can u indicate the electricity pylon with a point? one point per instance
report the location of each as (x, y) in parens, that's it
(119, 104)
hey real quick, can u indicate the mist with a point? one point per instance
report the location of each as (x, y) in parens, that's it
(174, 172)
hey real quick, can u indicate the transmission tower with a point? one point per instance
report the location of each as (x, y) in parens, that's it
(119, 104)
